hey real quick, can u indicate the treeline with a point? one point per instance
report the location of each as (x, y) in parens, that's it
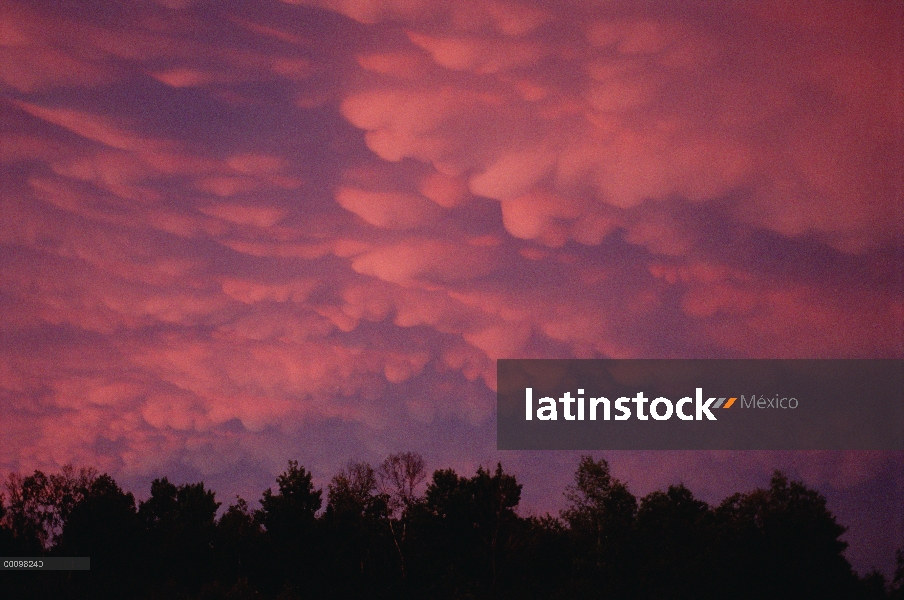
(389, 532)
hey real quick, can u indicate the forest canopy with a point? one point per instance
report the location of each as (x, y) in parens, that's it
(392, 531)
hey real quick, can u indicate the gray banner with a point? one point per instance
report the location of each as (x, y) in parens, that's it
(700, 404)
(45, 563)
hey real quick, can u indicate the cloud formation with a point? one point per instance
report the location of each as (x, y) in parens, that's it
(231, 232)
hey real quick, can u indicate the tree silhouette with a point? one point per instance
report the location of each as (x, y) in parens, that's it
(493, 499)
(293, 507)
(399, 476)
(672, 534)
(39, 504)
(461, 538)
(352, 492)
(288, 518)
(444, 542)
(782, 541)
(466, 527)
(237, 546)
(600, 515)
(180, 521)
(897, 587)
(8, 543)
(105, 526)
(398, 479)
(358, 533)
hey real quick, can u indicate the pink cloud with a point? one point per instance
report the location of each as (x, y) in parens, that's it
(387, 210)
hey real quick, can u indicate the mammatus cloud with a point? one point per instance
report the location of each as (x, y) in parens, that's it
(230, 232)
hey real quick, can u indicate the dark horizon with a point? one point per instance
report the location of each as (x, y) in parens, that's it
(394, 530)
(858, 506)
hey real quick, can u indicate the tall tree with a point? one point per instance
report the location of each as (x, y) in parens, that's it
(180, 521)
(237, 545)
(466, 531)
(494, 498)
(289, 520)
(105, 526)
(291, 510)
(398, 479)
(600, 515)
(358, 535)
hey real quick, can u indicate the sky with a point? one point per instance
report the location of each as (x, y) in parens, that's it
(236, 233)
